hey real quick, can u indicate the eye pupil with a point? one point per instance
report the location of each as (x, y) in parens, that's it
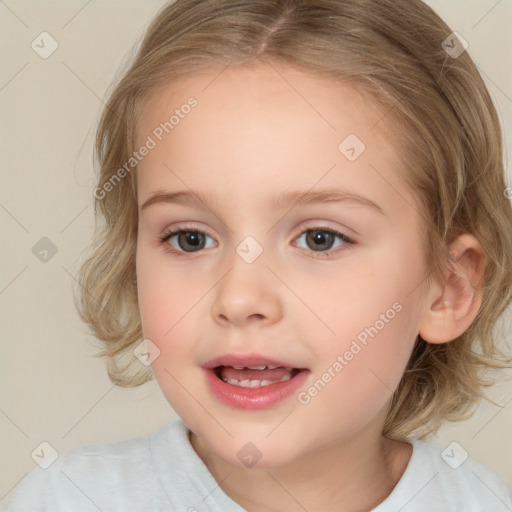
(193, 239)
(320, 238)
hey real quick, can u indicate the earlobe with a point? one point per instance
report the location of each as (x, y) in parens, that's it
(452, 306)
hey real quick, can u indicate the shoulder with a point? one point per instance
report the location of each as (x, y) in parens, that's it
(446, 478)
(105, 476)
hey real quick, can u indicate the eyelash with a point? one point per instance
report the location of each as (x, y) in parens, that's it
(163, 239)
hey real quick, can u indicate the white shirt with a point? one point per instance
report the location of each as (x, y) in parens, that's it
(161, 472)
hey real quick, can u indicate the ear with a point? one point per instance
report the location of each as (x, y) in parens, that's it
(453, 304)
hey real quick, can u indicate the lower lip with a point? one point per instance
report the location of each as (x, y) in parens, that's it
(262, 397)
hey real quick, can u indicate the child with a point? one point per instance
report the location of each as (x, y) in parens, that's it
(306, 222)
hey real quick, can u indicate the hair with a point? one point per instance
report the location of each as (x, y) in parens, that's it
(392, 51)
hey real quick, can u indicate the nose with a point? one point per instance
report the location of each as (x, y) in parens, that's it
(248, 294)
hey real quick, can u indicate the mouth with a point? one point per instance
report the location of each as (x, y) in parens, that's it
(255, 376)
(252, 382)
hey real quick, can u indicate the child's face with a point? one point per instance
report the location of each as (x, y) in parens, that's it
(349, 318)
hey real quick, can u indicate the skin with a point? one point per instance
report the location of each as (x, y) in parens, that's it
(251, 137)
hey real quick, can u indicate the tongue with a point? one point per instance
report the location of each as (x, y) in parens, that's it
(276, 374)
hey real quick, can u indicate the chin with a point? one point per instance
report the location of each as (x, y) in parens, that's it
(253, 449)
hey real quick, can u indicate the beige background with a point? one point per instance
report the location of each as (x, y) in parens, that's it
(52, 389)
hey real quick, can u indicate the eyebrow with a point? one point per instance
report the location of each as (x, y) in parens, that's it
(284, 200)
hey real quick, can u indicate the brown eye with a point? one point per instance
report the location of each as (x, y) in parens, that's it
(187, 241)
(190, 241)
(322, 239)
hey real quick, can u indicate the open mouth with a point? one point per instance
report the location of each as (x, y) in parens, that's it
(255, 376)
(252, 381)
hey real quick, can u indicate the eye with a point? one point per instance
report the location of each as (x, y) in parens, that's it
(181, 242)
(187, 241)
(322, 239)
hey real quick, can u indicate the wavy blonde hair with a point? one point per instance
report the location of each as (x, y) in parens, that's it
(391, 50)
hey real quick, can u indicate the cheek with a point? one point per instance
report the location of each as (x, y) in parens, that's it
(168, 308)
(375, 317)
(376, 357)
(357, 376)
(166, 295)
(168, 304)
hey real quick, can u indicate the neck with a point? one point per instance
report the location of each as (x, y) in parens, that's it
(353, 475)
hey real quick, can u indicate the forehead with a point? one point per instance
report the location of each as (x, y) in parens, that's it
(271, 88)
(266, 125)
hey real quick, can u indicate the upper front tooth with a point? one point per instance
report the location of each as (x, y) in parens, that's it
(238, 367)
(260, 367)
(272, 367)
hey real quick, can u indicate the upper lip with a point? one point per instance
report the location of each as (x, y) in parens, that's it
(246, 360)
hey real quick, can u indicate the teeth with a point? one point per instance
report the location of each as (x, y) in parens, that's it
(248, 383)
(258, 367)
(256, 383)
